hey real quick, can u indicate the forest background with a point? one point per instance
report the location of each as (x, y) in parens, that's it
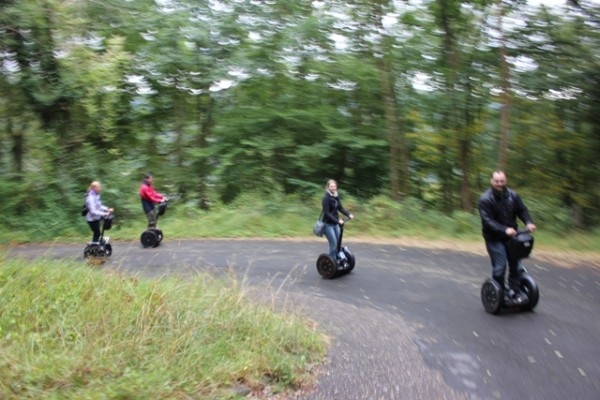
(251, 105)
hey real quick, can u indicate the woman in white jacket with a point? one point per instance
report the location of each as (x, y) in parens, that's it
(96, 210)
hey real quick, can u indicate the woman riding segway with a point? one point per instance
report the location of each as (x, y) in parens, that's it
(99, 217)
(339, 260)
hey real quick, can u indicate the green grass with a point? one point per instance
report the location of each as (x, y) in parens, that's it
(289, 216)
(375, 219)
(71, 332)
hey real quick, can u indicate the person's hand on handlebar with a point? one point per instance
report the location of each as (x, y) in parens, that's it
(512, 232)
(341, 221)
(109, 211)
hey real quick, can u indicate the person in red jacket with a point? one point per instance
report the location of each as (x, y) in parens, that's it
(149, 199)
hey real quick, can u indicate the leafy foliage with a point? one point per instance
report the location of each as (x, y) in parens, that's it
(221, 99)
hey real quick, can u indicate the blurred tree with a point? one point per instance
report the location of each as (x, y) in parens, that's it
(220, 98)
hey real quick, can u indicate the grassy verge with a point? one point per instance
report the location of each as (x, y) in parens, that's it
(289, 216)
(372, 220)
(69, 332)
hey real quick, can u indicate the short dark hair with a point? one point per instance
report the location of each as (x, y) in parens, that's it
(147, 175)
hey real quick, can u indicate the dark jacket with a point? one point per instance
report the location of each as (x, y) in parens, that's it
(499, 211)
(331, 206)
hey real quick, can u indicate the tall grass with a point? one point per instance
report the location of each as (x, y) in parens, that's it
(69, 332)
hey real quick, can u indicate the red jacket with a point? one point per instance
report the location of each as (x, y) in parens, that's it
(149, 197)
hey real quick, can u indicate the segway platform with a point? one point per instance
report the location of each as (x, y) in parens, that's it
(330, 268)
(495, 298)
(526, 295)
(151, 237)
(96, 253)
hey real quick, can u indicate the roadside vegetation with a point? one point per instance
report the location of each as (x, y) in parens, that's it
(71, 332)
(276, 215)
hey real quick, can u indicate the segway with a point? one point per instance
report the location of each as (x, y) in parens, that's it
(97, 252)
(152, 237)
(330, 267)
(525, 295)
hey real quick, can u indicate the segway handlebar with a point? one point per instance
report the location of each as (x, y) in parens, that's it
(523, 230)
(170, 197)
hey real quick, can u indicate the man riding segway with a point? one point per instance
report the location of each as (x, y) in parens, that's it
(499, 208)
(149, 197)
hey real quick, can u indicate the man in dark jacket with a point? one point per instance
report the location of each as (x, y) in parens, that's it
(499, 208)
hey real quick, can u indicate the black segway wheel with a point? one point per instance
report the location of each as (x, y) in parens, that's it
(149, 238)
(351, 259)
(90, 251)
(94, 255)
(107, 250)
(159, 236)
(326, 266)
(491, 296)
(530, 288)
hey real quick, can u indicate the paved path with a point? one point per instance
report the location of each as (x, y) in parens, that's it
(407, 323)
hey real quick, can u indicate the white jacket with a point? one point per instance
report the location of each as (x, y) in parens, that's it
(95, 208)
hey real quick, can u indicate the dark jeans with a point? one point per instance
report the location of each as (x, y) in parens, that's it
(499, 256)
(95, 227)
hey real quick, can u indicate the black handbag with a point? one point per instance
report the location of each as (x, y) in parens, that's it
(107, 223)
(520, 245)
(162, 208)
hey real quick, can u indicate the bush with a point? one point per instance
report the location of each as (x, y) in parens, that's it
(549, 214)
(464, 222)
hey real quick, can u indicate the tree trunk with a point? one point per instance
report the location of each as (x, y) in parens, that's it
(449, 121)
(465, 187)
(393, 130)
(399, 183)
(18, 146)
(504, 97)
(205, 106)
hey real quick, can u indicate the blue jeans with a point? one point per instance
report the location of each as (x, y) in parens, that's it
(499, 256)
(332, 232)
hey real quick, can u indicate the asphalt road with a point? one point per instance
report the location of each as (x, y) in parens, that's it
(407, 323)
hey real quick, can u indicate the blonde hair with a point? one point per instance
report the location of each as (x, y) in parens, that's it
(329, 182)
(93, 184)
